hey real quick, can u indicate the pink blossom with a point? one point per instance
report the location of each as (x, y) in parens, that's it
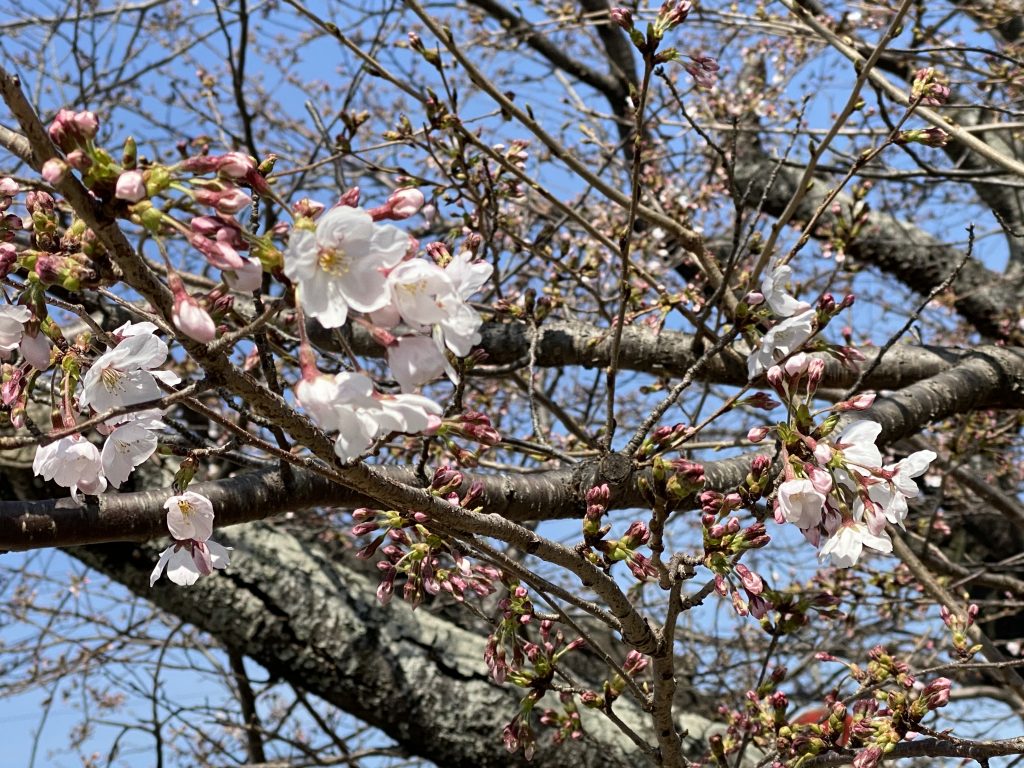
(54, 170)
(130, 186)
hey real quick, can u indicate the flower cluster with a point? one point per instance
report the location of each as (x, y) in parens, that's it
(121, 377)
(842, 496)
(787, 336)
(347, 262)
(193, 554)
(349, 404)
(412, 551)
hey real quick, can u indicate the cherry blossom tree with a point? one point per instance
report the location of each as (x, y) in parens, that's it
(501, 385)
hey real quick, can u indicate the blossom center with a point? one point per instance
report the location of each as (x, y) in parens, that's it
(185, 508)
(333, 261)
(414, 288)
(111, 378)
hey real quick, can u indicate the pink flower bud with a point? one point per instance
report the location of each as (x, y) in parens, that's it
(229, 201)
(350, 198)
(823, 453)
(820, 479)
(86, 124)
(130, 186)
(762, 400)
(79, 160)
(188, 317)
(757, 434)
(235, 165)
(36, 350)
(308, 208)
(796, 365)
(754, 298)
(8, 186)
(11, 388)
(623, 17)
(599, 494)
(8, 257)
(637, 534)
(405, 202)
(751, 581)
(861, 402)
(936, 693)
(815, 370)
(54, 170)
(70, 129)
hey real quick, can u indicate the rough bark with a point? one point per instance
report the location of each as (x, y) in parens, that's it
(306, 614)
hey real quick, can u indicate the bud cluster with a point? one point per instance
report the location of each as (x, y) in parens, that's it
(958, 624)
(429, 563)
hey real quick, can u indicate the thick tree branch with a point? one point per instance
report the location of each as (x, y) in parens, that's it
(554, 494)
(306, 615)
(915, 258)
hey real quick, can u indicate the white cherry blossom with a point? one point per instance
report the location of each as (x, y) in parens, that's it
(123, 375)
(186, 561)
(128, 446)
(189, 516)
(339, 266)
(891, 495)
(12, 325)
(773, 289)
(781, 339)
(845, 546)
(348, 403)
(800, 502)
(411, 414)
(72, 462)
(422, 292)
(416, 360)
(857, 444)
(467, 274)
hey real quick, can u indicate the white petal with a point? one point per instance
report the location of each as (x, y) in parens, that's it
(126, 447)
(181, 569)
